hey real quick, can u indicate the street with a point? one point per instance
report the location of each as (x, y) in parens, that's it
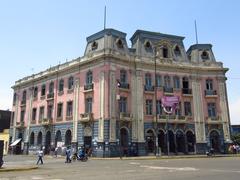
(221, 168)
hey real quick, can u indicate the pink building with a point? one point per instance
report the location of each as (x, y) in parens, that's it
(109, 100)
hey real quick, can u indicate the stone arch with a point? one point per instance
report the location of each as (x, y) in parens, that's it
(180, 141)
(58, 137)
(39, 138)
(47, 142)
(162, 140)
(191, 140)
(124, 140)
(68, 137)
(31, 140)
(150, 140)
(214, 138)
(171, 139)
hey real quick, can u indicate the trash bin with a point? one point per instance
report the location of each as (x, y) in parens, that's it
(1, 153)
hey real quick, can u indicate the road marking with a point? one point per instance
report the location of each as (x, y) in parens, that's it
(171, 168)
(134, 163)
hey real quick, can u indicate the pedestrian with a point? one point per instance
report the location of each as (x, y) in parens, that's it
(68, 155)
(56, 151)
(40, 156)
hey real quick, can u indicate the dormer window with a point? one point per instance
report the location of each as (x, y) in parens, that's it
(148, 45)
(177, 51)
(205, 55)
(119, 43)
(165, 52)
(94, 45)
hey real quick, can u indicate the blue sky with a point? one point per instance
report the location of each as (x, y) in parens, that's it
(35, 35)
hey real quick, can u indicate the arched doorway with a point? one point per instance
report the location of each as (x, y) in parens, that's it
(171, 140)
(18, 148)
(58, 139)
(124, 140)
(150, 138)
(161, 140)
(39, 139)
(190, 142)
(31, 141)
(215, 140)
(48, 142)
(68, 138)
(87, 138)
(180, 141)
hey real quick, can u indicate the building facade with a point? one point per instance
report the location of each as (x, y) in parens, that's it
(5, 117)
(109, 100)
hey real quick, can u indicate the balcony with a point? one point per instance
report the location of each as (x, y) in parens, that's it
(123, 85)
(210, 93)
(126, 117)
(23, 102)
(20, 124)
(88, 87)
(149, 88)
(46, 121)
(168, 90)
(213, 120)
(186, 91)
(86, 117)
(50, 96)
(176, 119)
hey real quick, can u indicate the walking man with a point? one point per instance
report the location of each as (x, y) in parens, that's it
(68, 155)
(40, 156)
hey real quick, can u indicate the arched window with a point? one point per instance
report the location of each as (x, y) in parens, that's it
(123, 76)
(176, 82)
(61, 85)
(89, 78)
(165, 52)
(205, 55)
(70, 82)
(119, 43)
(94, 45)
(14, 98)
(167, 81)
(39, 138)
(51, 88)
(68, 138)
(177, 51)
(35, 92)
(43, 90)
(148, 80)
(24, 96)
(31, 142)
(148, 46)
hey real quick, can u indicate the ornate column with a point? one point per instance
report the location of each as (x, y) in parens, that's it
(15, 118)
(75, 112)
(29, 117)
(198, 115)
(224, 109)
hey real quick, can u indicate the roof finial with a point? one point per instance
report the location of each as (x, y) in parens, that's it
(105, 17)
(195, 22)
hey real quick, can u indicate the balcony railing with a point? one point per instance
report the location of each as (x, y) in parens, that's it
(88, 87)
(46, 121)
(124, 85)
(148, 88)
(124, 116)
(210, 92)
(168, 89)
(213, 120)
(186, 91)
(86, 117)
(50, 96)
(20, 124)
(172, 118)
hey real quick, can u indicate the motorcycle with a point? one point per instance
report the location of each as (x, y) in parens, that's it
(79, 158)
(210, 152)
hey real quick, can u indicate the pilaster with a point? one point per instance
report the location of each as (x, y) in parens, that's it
(112, 103)
(15, 119)
(101, 107)
(224, 108)
(198, 110)
(75, 110)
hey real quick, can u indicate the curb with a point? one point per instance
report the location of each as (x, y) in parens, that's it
(6, 169)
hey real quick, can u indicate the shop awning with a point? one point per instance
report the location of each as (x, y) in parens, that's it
(16, 142)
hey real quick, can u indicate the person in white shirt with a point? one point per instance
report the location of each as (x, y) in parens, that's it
(40, 156)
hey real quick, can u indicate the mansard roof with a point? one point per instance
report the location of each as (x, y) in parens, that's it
(200, 47)
(154, 35)
(108, 31)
